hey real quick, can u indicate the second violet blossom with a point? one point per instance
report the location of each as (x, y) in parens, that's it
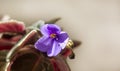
(53, 40)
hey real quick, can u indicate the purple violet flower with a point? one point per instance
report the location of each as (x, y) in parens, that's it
(53, 40)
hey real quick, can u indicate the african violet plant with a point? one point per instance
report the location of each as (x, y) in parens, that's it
(53, 40)
(42, 46)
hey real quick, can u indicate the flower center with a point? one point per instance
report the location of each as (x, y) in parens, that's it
(52, 35)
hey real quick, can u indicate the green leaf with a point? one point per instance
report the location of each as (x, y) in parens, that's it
(59, 63)
(36, 25)
(28, 59)
(76, 43)
(52, 21)
(3, 54)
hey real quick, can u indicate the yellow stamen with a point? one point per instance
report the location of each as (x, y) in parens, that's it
(53, 35)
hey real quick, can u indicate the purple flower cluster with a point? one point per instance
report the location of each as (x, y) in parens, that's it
(52, 41)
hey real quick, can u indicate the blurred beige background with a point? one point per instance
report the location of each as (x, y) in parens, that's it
(94, 22)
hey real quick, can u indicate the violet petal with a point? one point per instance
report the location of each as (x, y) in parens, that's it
(44, 30)
(63, 44)
(55, 50)
(48, 29)
(43, 44)
(53, 28)
(62, 37)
